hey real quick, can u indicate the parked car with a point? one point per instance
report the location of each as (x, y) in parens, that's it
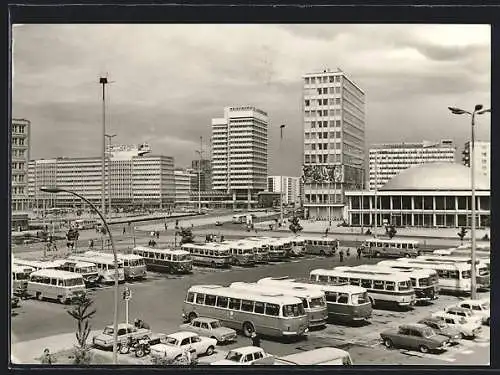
(174, 345)
(319, 356)
(244, 356)
(480, 307)
(465, 313)
(467, 328)
(439, 326)
(415, 336)
(105, 339)
(218, 223)
(210, 328)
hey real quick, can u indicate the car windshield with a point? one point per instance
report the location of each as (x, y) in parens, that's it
(428, 332)
(403, 285)
(215, 325)
(424, 281)
(441, 325)
(233, 356)
(171, 341)
(108, 331)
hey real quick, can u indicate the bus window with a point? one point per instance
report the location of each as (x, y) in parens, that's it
(222, 302)
(403, 285)
(200, 298)
(340, 279)
(398, 246)
(272, 309)
(210, 300)
(377, 284)
(190, 297)
(365, 283)
(355, 281)
(465, 274)
(304, 303)
(323, 278)
(359, 298)
(234, 303)
(390, 285)
(53, 281)
(453, 274)
(404, 246)
(331, 296)
(259, 307)
(246, 305)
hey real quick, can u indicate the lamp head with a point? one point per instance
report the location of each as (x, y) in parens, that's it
(282, 126)
(457, 111)
(52, 189)
(478, 107)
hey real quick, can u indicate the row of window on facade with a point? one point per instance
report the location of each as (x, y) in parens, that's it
(420, 220)
(17, 190)
(331, 101)
(18, 128)
(324, 79)
(323, 198)
(18, 141)
(332, 158)
(418, 202)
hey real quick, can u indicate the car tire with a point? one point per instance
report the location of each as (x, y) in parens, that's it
(124, 349)
(423, 349)
(463, 336)
(407, 255)
(388, 343)
(192, 316)
(139, 353)
(248, 329)
(62, 300)
(147, 338)
(118, 347)
(210, 350)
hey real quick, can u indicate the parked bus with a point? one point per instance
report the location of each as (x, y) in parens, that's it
(209, 254)
(424, 282)
(35, 264)
(275, 249)
(323, 246)
(391, 288)
(105, 267)
(134, 267)
(57, 285)
(462, 252)
(242, 253)
(298, 246)
(86, 269)
(482, 267)
(20, 277)
(347, 303)
(313, 300)
(261, 254)
(379, 247)
(82, 224)
(165, 260)
(453, 277)
(243, 218)
(271, 314)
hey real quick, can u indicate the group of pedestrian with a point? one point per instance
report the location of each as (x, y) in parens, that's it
(139, 323)
(152, 243)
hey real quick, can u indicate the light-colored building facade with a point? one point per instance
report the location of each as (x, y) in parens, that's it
(182, 180)
(390, 159)
(20, 147)
(202, 179)
(289, 186)
(429, 195)
(240, 153)
(132, 178)
(334, 142)
(482, 157)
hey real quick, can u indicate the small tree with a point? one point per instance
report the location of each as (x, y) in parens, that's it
(187, 235)
(295, 226)
(462, 234)
(82, 312)
(391, 231)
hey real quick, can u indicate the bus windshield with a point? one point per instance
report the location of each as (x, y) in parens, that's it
(403, 285)
(88, 269)
(293, 310)
(317, 302)
(73, 282)
(465, 274)
(359, 298)
(424, 281)
(22, 276)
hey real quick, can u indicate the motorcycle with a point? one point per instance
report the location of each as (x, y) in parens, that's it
(141, 347)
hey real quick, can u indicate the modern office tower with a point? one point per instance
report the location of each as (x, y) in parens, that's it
(135, 179)
(390, 159)
(291, 188)
(202, 170)
(239, 153)
(20, 158)
(334, 142)
(182, 180)
(482, 157)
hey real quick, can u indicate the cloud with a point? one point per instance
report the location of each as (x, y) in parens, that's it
(171, 80)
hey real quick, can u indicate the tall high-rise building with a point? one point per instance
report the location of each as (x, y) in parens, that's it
(334, 141)
(390, 159)
(239, 152)
(182, 187)
(482, 157)
(202, 170)
(19, 174)
(290, 186)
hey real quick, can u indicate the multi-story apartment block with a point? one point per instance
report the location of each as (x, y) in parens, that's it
(239, 153)
(202, 179)
(334, 142)
(289, 186)
(20, 148)
(131, 179)
(182, 180)
(390, 159)
(482, 157)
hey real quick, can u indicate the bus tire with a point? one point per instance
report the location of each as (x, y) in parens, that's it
(372, 301)
(192, 316)
(322, 253)
(248, 329)
(407, 255)
(212, 264)
(39, 296)
(62, 300)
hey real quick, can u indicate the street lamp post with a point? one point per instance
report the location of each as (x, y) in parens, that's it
(109, 136)
(56, 190)
(478, 110)
(281, 179)
(103, 81)
(200, 152)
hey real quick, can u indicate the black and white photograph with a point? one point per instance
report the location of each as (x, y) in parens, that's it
(250, 194)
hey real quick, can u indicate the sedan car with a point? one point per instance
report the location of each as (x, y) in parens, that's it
(480, 307)
(465, 313)
(218, 223)
(210, 328)
(439, 326)
(415, 336)
(247, 355)
(173, 346)
(105, 339)
(467, 328)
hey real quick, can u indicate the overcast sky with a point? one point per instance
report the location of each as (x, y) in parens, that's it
(171, 80)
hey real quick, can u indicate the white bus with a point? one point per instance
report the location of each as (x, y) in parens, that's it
(323, 246)
(82, 224)
(86, 269)
(424, 282)
(462, 252)
(35, 264)
(20, 277)
(242, 253)
(165, 260)
(298, 246)
(347, 303)
(380, 247)
(391, 288)
(57, 285)
(275, 249)
(209, 254)
(313, 300)
(261, 254)
(271, 314)
(453, 277)
(105, 267)
(134, 267)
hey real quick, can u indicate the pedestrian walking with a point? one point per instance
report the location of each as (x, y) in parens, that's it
(359, 252)
(124, 230)
(166, 227)
(341, 256)
(255, 339)
(221, 238)
(157, 235)
(47, 357)
(91, 244)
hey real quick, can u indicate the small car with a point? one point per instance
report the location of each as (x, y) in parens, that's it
(415, 336)
(174, 345)
(105, 339)
(466, 313)
(244, 356)
(467, 328)
(218, 223)
(480, 307)
(439, 326)
(210, 328)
